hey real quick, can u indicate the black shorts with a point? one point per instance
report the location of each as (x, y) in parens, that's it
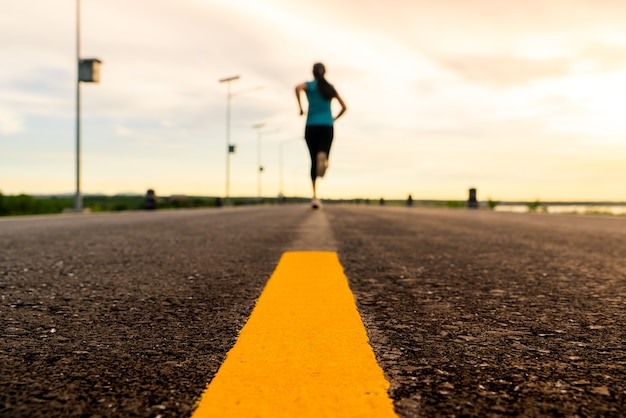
(318, 138)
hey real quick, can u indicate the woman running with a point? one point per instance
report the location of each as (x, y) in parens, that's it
(319, 122)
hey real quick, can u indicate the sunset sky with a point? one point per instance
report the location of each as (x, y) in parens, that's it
(523, 100)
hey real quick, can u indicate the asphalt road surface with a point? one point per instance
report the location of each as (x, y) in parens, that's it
(469, 313)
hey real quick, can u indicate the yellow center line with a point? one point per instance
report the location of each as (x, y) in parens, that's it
(304, 351)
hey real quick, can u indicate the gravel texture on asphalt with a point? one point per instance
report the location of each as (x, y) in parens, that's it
(128, 314)
(470, 313)
(475, 313)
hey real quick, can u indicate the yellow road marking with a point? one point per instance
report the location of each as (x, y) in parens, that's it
(304, 351)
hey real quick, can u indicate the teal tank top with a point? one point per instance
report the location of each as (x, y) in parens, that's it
(319, 108)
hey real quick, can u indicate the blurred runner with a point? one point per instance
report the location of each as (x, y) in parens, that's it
(319, 129)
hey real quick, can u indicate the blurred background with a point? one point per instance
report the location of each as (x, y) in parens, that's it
(522, 100)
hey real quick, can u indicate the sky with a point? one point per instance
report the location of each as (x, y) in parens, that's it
(522, 100)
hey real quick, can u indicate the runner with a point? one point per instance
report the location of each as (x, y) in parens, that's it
(319, 129)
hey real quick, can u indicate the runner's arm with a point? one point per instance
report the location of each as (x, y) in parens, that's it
(299, 89)
(343, 107)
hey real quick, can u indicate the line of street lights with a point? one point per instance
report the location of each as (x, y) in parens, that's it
(88, 71)
(230, 148)
(281, 191)
(260, 168)
(258, 127)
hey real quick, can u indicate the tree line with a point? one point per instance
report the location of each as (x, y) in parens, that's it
(23, 204)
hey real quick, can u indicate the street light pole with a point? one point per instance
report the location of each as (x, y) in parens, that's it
(280, 164)
(228, 144)
(87, 70)
(78, 198)
(258, 127)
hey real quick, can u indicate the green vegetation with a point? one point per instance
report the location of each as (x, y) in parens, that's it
(596, 212)
(492, 203)
(536, 205)
(29, 205)
(455, 204)
(33, 205)
(532, 206)
(15, 205)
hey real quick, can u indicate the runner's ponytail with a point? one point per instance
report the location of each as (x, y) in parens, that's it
(327, 89)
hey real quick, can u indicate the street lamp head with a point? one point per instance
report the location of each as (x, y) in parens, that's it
(224, 80)
(258, 125)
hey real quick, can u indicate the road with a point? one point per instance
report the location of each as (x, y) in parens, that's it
(469, 313)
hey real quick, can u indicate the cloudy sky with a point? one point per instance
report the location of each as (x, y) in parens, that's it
(523, 100)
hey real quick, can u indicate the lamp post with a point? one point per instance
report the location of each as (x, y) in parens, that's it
(258, 127)
(88, 70)
(280, 164)
(78, 198)
(229, 148)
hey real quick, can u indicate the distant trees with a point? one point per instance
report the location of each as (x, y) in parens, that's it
(492, 204)
(36, 205)
(28, 205)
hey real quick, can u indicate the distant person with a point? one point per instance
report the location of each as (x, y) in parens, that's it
(319, 129)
